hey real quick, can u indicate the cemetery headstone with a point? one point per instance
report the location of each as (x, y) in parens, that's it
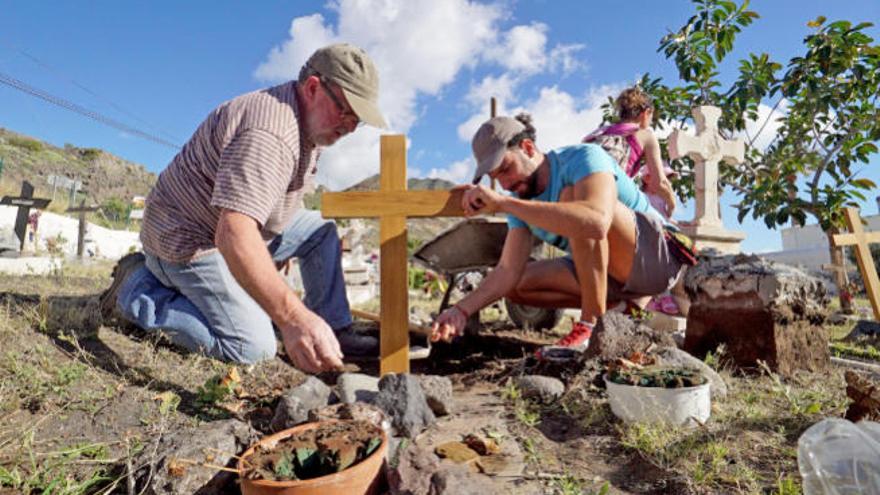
(760, 311)
(707, 149)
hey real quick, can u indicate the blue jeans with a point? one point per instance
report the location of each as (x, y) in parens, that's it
(200, 306)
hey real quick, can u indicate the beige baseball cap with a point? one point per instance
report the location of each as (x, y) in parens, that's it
(490, 143)
(350, 68)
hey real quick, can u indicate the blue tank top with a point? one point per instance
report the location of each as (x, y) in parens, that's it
(570, 164)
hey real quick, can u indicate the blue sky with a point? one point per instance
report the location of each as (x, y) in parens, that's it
(161, 66)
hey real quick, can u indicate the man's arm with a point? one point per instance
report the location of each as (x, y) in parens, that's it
(308, 340)
(585, 209)
(501, 280)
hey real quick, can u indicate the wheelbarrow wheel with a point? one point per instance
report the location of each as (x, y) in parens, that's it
(532, 317)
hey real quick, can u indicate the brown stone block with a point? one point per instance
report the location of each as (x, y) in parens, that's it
(761, 311)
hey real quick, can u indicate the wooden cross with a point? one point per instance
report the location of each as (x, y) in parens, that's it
(861, 240)
(393, 204)
(25, 202)
(706, 149)
(82, 209)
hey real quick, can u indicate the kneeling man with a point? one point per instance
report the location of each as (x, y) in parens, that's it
(577, 199)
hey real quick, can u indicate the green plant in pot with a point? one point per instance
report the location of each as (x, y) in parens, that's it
(658, 394)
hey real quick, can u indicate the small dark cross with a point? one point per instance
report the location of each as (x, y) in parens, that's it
(82, 209)
(24, 202)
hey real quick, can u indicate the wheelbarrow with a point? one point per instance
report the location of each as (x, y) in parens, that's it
(472, 247)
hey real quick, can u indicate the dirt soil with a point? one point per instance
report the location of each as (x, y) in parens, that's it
(77, 404)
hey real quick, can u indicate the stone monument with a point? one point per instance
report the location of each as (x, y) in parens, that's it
(707, 149)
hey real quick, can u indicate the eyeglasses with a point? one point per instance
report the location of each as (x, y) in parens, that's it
(346, 113)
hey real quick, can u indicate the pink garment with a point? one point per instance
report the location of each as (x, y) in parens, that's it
(627, 130)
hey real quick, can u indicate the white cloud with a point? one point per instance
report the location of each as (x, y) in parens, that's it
(352, 159)
(307, 34)
(763, 130)
(522, 49)
(563, 58)
(420, 47)
(459, 172)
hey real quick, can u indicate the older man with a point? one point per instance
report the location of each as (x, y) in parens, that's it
(227, 213)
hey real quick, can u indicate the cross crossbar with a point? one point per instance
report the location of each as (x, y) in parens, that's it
(862, 240)
(25, 201)
(392, 204)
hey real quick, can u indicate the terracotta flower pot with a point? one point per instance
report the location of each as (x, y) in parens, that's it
(359, 479)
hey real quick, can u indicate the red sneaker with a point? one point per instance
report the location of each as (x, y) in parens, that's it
(577, 341)
(578, 338)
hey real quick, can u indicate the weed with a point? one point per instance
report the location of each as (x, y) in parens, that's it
(510, 392)
(662, 445)
(787, 486)
(527, 414)
(218, 387)
(531, 450)
(567, 484)
(801, 403)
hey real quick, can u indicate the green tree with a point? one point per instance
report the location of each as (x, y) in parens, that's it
(828, 98)
(115, 209)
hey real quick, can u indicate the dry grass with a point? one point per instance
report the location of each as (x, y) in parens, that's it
(77, 406)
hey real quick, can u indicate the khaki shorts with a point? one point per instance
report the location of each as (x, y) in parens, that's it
(654, 270)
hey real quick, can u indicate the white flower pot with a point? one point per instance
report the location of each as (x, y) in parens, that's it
(673, 406)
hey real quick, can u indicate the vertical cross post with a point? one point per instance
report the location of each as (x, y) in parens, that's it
(862, 241)
(392, 204)
(393, 288)
(81, 237)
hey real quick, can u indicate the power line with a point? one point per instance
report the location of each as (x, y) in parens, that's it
(61, 102)
(64, 76)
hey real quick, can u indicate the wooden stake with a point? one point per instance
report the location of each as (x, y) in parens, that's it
(862, 240)
(393, 204)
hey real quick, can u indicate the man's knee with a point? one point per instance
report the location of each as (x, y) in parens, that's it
(254, 350)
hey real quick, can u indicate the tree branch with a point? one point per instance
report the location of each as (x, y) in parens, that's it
(766, 121)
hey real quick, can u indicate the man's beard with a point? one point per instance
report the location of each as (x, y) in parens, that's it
(531, 189)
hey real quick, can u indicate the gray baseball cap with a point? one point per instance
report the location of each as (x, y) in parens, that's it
(490, 143)
(350, 68)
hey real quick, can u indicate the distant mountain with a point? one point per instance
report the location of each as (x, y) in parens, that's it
(431, 184)
(104, 176)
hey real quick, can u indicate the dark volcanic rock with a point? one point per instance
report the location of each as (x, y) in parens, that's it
(409, 470)
(401, 397)
(438, 393)
(453, 479)
(211, 443)
(760, 310)
(295, 404)
(616, 335)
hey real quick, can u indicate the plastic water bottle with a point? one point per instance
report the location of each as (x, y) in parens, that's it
(838, 457)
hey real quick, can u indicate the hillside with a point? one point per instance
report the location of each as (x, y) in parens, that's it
(104, 175)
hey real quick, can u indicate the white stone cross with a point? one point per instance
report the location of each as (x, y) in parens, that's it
(706, 149)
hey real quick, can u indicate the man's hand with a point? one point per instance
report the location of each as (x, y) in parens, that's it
(480, 199)
(311, 344)
(448, 325)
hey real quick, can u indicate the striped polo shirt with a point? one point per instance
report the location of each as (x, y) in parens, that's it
(249, 156)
